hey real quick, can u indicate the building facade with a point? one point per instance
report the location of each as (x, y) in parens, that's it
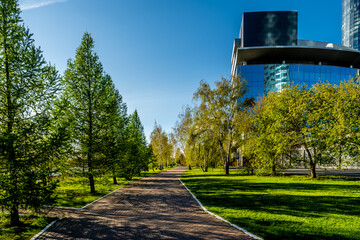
(268, 55)
(350, 24)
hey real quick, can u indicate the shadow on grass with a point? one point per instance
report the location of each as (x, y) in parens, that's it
(284, 229)
(30, 225)
(277, 203)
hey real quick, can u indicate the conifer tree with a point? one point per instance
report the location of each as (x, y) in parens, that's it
(85, 88)
(28, 138)
(113, 135)
(137, 154)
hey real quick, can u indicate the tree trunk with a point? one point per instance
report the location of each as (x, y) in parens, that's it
(340, 157)
(313, 169)
(205, 164)
(90, 150)
(312, 164)
(90, 173)
(225, 158)
(273, 170)
(161, 164)
(227, 163)
(92, 183)
(114, 179)
(273, 165)
(227, 167)
(14, 216)
(14, 211)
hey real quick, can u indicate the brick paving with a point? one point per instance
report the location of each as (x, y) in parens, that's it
(156, 207)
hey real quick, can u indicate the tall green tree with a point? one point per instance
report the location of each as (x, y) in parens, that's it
(137, 153)
(297, 119)
(113, 139)
(218, 111)
(183, 131)
(266, 140)
(28, 140)
(85, 91)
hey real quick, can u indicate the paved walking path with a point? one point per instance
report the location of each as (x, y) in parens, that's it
(156, 207)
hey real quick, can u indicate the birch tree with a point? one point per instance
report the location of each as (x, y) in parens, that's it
(218, 111)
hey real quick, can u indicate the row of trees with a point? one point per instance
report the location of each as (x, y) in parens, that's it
(166, 150)
(103, 137)
(298, 126)
(51, 124)
(305, 126)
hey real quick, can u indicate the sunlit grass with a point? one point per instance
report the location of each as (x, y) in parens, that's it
(284, 207)
(31, 225)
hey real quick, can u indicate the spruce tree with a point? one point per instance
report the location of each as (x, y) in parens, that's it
(28, 138)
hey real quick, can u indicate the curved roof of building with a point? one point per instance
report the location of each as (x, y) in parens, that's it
(306, 52)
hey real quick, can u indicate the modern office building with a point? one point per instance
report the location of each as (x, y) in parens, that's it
(269, 55)
(350, 24)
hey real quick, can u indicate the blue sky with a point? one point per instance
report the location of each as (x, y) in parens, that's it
(157, 51)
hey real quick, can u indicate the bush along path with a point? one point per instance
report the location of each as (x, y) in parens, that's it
(156, 207)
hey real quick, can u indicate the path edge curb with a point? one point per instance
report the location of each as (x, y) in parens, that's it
(218, 217)
(44, 229)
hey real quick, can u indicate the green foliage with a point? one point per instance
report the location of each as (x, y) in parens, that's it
(113, 134)
(93, 105)
(210, 129)
(294, 207)
(30, 139)
(309, 126)
(137, 154)
(345, 137)
(162, 146)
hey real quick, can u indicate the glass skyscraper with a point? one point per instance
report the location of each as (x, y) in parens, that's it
(268, 55)
(350, 24)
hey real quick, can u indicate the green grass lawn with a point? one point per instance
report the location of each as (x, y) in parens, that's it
(32, 224)
(284, 207)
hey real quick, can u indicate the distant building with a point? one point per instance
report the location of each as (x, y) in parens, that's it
(269, 55)
(350, 24)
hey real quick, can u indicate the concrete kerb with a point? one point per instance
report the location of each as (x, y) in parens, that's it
(53, 222)
(218, 217)
(44, 229)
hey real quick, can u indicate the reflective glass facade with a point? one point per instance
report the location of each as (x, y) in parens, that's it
(262, 79)
(351, 23)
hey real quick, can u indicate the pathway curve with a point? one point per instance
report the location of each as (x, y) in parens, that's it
(156, 207)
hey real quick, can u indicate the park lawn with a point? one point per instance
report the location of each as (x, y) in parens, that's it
(32, 224)
(282, 207)
(75, 191)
